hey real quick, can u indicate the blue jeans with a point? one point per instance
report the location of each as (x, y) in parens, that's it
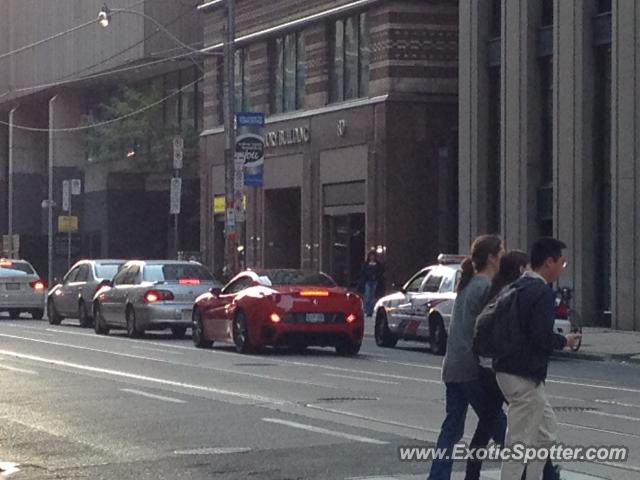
(369, 296)
(485, 398)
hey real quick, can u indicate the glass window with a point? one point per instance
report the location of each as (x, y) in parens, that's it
(133, 275)
(547, 13)
(121, 277)
(299, 277)
(71, 276)
(350, 57)
(496, 19)
(237, 286)
(107, 270)
(288, 72)
(414, 284)
(83, 273)
(174, 272)
(220, 89)
(450, 281)
(8, 268)
(604, 6)
(432, 283)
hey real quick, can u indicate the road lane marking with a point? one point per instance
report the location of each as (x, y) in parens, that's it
(560, 397)
(417, 365)
(145, 378)
(360, 379)
(594, 429)
(151, 395)
(213, 451)
(617, 404)
(591, 385)
(19, 370)
(156, 350)
(613, 415)
(325, 431)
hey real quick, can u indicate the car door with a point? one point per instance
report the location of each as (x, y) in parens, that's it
(428, 291)
(220, 314)
(75, 288)
(402, 313)
(64, 295)
(127, 293)
(109, 299)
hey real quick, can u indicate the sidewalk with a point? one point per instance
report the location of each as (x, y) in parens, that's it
(599, 344)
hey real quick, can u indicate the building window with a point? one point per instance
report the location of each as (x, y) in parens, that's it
(545, 191)
(494, 161)
(288, 69)
(349, 58)
(547, 13)
(495, 28)
(604, 6)
(220, 89)
(241, 74)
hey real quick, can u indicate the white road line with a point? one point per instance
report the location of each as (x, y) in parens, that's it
(324, 431)
(7, 468)
(19, 370)
(359, 378)
(156, 350)
(151, 395)
(567, 398)
(591, 385)
(613, 415)
(594, 429)
(405, 364)
(213, 451)
(618, 404)
(160, 381)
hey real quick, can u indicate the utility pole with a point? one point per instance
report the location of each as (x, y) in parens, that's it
(231, 236)
(49, 202)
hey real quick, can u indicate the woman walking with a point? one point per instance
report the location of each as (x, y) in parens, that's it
(467, 382)
(371, 280)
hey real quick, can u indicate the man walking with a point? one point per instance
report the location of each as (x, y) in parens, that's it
(530, 418)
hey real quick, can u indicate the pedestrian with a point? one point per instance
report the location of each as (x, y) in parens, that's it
(464, 378)
(512, 265)
(521, 376)
(371, 280)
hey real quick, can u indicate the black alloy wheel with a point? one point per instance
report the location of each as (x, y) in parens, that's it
(52, 313)
(348, 348)
(37, 313)
(241, 334)
(83, 315)
(437, 335)
(197, 331)
(99, 325)
(132, 328)
(384, 337)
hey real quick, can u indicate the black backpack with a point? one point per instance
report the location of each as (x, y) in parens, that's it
(497, 331)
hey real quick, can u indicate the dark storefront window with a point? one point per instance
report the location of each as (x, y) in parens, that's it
(545, 191)
(602, 184)
(547, 13)
(495, 28)
(241, 74)
(349, 57)
(494, 161)
(287, 59)
(604, 6)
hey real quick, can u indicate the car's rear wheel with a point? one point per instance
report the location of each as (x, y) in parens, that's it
(14, 313)
(133, 330)
(437, 335)
(178, 332)
(348, 349)
(99, 325)
(54, 317)
(37, 313)
(197, 332)
(384, 337)
(83, 315)
(241, 334)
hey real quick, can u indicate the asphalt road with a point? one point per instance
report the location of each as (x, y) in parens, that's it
(77, 405)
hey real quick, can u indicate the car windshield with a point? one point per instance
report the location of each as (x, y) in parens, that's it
(173, 272)
(107, 270)
(298, 277)
(8, 269)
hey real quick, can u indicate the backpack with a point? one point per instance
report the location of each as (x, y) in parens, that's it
(497, 332)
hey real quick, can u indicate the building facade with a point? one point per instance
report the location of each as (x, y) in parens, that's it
(361, 148)
(549, 103)
(51, 91)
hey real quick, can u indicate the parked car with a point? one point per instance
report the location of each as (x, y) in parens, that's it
(21, 289)
(421, 310)
(151, 295)
(296, 308)
(72, 297)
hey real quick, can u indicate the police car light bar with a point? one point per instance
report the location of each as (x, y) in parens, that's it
(450, 258)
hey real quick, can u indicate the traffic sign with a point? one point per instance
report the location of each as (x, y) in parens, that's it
(67, 224)
(178, 152)
(76, 186)
(176, 193)
(66, 195)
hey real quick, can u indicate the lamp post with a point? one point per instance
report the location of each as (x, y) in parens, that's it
(50, 195)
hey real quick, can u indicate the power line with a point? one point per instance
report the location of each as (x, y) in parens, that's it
(106, 122)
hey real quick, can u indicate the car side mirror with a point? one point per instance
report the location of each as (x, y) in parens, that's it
(215, 291)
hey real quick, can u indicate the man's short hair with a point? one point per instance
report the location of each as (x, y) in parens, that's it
(546, 247)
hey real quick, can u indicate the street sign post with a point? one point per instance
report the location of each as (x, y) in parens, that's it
(76, 186)
(178, 152)
(66, 195)
(176, 191)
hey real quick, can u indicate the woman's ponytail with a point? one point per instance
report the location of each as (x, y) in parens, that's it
(467, 274)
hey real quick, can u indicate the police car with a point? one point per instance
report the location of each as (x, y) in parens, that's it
(421, 310)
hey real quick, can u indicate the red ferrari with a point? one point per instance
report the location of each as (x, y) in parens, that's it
(296, 308)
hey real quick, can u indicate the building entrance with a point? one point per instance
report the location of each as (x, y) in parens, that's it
(282, 224)
(344, 247)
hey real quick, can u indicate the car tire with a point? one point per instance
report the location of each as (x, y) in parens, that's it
(37, 313)
(133, 331)
(348, 349)
(99, 325)
(54, 317)
(197, 332)
(437, 335)
(14, 313)
(178, 332)
(384, 337)
(83, 315)
(241, 334)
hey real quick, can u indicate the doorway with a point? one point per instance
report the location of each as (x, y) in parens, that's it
(282, 225)
(344, 247)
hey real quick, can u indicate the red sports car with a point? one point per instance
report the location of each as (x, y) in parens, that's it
(296, 308)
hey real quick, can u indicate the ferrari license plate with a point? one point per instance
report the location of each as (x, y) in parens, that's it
(314, 318)
(13, 286)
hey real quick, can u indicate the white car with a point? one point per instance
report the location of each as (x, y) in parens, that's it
(21, 289)
(421, 310)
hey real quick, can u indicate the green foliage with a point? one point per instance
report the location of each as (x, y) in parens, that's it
(136, 124)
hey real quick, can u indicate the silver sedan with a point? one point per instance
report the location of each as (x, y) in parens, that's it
(21, 289)
(151, 295)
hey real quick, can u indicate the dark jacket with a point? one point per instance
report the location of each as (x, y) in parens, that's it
(536, 307)
(372, 273)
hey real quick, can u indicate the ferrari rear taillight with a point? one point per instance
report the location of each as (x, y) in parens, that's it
(152, 296)
(314, 293)
(38, 285)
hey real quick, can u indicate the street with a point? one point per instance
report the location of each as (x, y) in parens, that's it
(77, 405)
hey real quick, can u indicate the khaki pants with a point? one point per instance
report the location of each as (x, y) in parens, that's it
(530, 421)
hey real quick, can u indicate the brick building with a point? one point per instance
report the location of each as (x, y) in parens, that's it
(361, 104)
